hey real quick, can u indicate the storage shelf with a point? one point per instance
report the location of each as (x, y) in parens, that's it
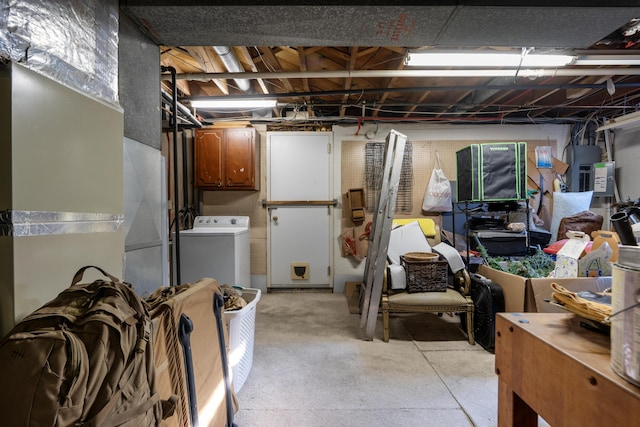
(467, 212)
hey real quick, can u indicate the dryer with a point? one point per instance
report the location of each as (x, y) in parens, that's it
(217, 247)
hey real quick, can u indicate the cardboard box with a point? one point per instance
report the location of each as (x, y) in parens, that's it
(357, 204)
(541, 289)
(529, 295)
(514, 288)
(568, 256)
(352, 289)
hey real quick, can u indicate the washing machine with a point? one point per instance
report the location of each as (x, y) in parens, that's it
(216, 247)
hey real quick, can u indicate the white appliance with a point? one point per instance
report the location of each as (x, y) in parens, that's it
(217, 247)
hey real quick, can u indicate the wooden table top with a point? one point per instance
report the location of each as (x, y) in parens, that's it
(564, 333)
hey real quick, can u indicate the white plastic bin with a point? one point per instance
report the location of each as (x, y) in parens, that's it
(241, 337)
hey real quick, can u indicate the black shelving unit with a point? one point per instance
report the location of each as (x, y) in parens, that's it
(468, 212)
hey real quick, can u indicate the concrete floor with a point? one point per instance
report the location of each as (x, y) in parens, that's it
(311, 368)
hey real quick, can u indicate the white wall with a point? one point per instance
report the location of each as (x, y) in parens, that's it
(626, 152)
(346, 269)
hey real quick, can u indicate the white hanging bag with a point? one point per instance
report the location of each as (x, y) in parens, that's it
(437, 197)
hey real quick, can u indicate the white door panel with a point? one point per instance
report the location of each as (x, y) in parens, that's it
(299, 167)
(299, 235)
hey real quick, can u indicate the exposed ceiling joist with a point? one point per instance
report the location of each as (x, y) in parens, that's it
(346, 62)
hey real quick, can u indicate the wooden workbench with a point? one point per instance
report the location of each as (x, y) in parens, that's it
(549, 365)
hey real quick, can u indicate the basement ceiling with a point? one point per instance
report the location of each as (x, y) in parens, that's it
(318, 61)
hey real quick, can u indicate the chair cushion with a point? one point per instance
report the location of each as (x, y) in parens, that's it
(450, 297)
(427, 225)
(408, 238)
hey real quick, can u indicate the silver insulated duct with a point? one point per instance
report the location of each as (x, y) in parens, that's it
(233, 65)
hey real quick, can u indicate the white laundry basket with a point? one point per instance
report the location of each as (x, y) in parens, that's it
(241, 337)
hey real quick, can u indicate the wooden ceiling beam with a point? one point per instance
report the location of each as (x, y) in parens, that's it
(210, 63)
(620, 96)
(388, 83)
(247, 61)
(291, 50)
(368, 51)
(242, 52)
(312, 49)
(414, 107)
(337, 55)
(182, 85)
(453, 104)
(180, 55)
(577, 93)
(397, 49)
(302, 62)
(353, 58)
(274, 64)
(538, 110)
(562, 96)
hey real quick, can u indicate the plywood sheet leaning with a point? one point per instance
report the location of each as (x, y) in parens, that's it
(381, 231)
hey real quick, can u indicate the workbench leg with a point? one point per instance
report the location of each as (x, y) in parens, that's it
(512, 410)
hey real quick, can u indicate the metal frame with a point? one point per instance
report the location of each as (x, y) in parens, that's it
(381, 231)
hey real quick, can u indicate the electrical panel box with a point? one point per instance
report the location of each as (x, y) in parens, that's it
(581, 159)
(603, 179)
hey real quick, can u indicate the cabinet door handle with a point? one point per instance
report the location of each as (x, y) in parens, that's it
(219, 183)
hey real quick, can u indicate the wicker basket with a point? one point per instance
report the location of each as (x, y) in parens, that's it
(425, 273)
(421, 256)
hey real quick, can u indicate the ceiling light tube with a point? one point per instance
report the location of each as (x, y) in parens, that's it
(593, 60)
(482, 59)
(628, 120)
(249, 103)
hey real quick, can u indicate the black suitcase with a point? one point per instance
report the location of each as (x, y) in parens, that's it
(488, 300)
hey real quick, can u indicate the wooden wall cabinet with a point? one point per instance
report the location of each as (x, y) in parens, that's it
(226, 159)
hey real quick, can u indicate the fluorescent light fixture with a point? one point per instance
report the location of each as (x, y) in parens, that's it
(626, 121)
(594, 60)
(483, 59)
(249, 103)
